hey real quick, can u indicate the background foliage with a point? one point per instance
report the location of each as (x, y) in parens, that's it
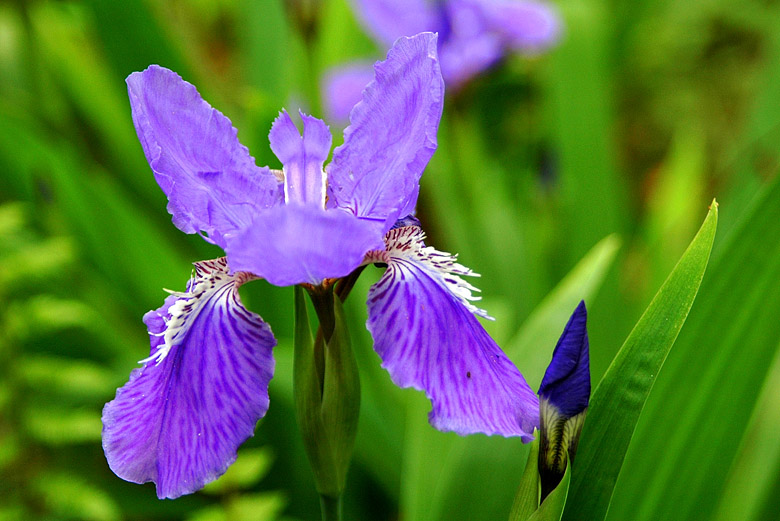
(580, 173)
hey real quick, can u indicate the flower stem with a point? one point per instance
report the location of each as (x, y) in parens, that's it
(311, 73)
(331, 508)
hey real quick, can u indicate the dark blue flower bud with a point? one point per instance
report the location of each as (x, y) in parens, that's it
(563, 400)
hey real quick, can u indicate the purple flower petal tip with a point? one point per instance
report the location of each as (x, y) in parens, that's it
(390, 19)
(343, 89)
(524, 25)
(181, 417)
(566, 383)
(212, 183)
(392, 134)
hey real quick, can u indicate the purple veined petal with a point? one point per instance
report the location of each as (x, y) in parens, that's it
(295, 244)
(375, 174)
(524, 25)
(181, 417)
(464, 58)
(343, 88)
(388, 20)
(212, 183)
(566, 383)
(425, 331)
(471, 46)
(302, 157)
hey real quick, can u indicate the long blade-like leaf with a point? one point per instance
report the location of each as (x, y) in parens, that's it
(690, 429)
(622, 392)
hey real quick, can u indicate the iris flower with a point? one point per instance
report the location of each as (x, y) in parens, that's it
(182, 415)
(473, 36)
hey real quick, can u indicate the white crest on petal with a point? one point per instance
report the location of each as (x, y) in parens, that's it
(210, 279)
(407, 243)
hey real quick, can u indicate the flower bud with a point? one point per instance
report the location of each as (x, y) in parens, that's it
(563, 400)
(327, 391)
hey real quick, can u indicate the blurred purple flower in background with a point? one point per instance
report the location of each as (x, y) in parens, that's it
(473, 36)
(181, 417)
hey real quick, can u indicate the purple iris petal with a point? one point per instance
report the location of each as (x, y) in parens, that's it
(391, 19)
(302, 157)
(295, 243)
(211, 181)
(179, 421)
(343, 88)
(464, 58)
(392, 134)
(524, 25)
(428, 338)
(566, 383)
(470, 46)
(473, 34)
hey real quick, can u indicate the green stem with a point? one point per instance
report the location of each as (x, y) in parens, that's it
(331, 508)
(312, 75)
(345, 285)
(322, 298)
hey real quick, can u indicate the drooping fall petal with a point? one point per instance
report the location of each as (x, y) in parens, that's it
(181, 417)
(426, 332)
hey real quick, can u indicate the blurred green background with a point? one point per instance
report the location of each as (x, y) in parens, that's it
(623, 133)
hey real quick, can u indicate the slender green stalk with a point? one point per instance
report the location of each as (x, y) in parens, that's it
(331, 508)
(311, 73)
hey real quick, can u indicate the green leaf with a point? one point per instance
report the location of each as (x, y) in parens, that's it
(249, 468)
(64, 377)
(582, 119)
(620, 396)
(307, 392)
(341, 394)
(112, 231)
(70, 497)
(705, 394)
(748, 490)
(552, 507)
(440, 468)
(99, 96)
(531, 349)
(327, 393)
(42, 318)
(527, 497)
(56, 427)
(36, 263)
(265, 506)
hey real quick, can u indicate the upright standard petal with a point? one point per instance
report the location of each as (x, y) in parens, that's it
(181, 417)
(391, 19)
(212, 183)
(294, 243)
(343, 88)
(375, 174)
(302, 157)
(425, 331)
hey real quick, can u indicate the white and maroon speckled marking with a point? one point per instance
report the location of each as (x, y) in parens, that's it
(408, 243)
(211, 278)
